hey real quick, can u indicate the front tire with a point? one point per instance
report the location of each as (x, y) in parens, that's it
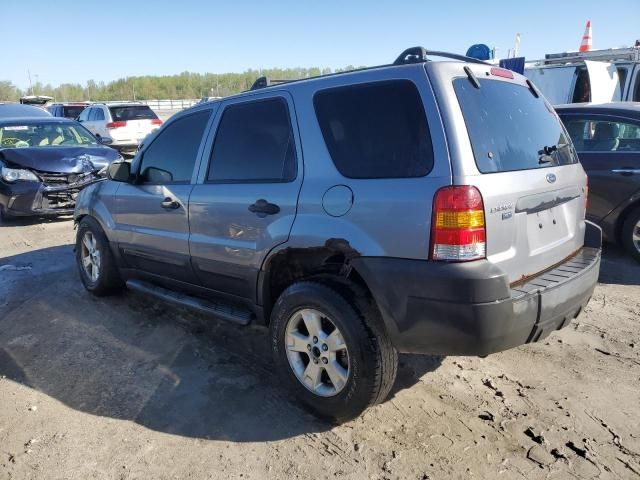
(96, 265)
(631, 234)
(330, 346)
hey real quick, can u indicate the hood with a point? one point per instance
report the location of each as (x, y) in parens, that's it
(60, 159)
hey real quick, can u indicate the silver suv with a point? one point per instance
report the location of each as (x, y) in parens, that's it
(420, 207)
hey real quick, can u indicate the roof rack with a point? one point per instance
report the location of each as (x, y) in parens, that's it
(263, 82)
(631, 54)
(419, 54)
(410, 55)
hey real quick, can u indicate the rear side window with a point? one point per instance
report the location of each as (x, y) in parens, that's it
(254, 143)
(509, 128)
(376, 130)
(132, 112)
(172, 154)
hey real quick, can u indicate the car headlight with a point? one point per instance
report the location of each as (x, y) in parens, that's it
(15, 174)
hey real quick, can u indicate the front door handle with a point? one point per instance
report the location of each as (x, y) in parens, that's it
(170, 203)
(626, 171)
(262, 208)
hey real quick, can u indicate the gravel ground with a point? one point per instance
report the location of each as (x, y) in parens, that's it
(127, 388)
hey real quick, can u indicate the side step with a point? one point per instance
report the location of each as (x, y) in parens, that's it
(224, 311)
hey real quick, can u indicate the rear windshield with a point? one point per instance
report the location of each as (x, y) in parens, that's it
(132, 112)
(509, 128)
(72, 111)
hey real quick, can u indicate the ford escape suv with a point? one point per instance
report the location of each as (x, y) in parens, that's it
(420, 207)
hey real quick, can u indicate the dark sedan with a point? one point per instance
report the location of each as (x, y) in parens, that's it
(44, 163)
(607, 139)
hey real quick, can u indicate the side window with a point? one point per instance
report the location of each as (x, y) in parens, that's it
(254, 143)
(84, 116)
(636, 87)
(603, 135)
(92, 114)
(99, 114)
(376, 130)
(172, 154)
(622, 79)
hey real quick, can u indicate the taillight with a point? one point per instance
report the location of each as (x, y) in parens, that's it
(586, 197)
(457, 226)
(156, 121)
(118, 124)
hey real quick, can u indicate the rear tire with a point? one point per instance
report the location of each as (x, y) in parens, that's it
(96, 265)
(355, 363)
(631, 233)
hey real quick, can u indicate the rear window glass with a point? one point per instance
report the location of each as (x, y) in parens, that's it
(133, 112)
(72, 112)
(510, 129)
(376, 130)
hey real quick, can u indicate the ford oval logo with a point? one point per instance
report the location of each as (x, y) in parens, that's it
(551, 177)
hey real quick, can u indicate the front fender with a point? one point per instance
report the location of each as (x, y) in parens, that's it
(97, 200)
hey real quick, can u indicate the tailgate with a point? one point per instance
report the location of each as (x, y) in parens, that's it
(523, 163)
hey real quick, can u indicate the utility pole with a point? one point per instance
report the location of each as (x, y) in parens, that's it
(30, 84)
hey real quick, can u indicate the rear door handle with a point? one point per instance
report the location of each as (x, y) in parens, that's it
(626, 171)
(170, 203)
(262, 208)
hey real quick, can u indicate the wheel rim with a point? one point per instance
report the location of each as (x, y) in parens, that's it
(636, 236)
(90, 255)
(317, 352)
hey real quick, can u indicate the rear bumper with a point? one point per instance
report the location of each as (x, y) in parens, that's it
(470, 308)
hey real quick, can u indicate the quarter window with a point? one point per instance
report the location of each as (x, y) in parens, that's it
(254, 143)
(99, 114)
(172, 154)
(376, 130)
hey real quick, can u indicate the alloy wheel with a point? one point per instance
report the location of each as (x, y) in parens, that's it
(317, 352)
(90, 256)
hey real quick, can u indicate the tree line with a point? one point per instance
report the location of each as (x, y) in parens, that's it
(186, 85)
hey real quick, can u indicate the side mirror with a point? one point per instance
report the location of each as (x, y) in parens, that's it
(105, 140)
(119, 172)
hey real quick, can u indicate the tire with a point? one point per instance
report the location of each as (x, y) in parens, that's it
(105, 279)
(631, 227)
(4, 216)
(371, 360)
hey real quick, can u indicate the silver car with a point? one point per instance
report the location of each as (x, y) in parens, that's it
(418, 207)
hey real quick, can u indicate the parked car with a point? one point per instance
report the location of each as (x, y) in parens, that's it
(44, 163)
(16, 110)
(67, 110)
(121, 125)
(402, 208)
(607, 139)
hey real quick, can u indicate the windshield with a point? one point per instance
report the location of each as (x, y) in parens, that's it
(45, 135)
(132, 112)
(510, 129)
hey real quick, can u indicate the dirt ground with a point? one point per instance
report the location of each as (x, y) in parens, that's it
(125, 388)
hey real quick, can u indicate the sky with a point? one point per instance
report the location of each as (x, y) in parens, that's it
(66, 41)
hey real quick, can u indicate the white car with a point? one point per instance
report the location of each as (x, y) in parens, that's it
(120, 125)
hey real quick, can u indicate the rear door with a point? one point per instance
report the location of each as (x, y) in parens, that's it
(609, 150)
(246, 198)
(521, 160)
(604, 82)
(152, 214)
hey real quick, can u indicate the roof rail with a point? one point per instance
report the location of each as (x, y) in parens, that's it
(263, 82)
(419, 54)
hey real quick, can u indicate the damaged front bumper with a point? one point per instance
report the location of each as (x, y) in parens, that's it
(55, 195)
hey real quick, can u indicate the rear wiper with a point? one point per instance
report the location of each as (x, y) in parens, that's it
(547, 154)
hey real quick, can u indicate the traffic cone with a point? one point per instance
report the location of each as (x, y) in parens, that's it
(585, 46)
